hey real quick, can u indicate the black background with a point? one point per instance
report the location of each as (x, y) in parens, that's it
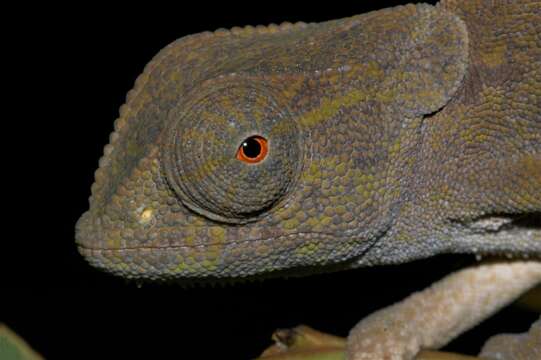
(76, 65)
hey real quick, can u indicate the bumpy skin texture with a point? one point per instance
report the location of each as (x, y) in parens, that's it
(393, 135)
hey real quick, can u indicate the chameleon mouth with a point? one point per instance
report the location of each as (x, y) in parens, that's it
(90, 237)
(244, 258)
(158, 264)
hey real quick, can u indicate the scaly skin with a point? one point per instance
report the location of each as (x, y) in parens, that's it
(393, 135)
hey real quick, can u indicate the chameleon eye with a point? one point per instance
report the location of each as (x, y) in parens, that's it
(208, 162)
(253, 150)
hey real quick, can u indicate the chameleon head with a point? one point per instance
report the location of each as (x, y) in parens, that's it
(229, 188)
(256, 151)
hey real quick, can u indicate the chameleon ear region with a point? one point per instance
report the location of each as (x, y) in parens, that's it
(218, 158)
(433, 64)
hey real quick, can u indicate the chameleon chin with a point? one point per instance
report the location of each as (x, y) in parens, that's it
(377, 139)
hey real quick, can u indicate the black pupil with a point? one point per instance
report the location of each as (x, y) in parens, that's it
(251, 147)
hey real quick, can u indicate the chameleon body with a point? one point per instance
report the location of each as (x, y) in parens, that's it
(392, 136)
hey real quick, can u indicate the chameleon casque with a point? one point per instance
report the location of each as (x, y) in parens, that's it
(377, 139)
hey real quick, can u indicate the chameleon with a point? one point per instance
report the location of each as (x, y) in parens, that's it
(293, 149)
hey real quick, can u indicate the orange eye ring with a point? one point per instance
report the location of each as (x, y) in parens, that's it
(253, 150)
